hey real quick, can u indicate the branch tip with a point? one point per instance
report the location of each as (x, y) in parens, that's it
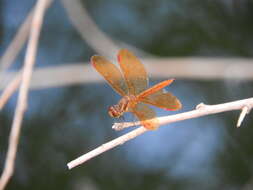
(121, 126)
(117, 126)
(244, 112)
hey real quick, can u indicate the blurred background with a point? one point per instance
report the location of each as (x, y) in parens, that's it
(67, 108)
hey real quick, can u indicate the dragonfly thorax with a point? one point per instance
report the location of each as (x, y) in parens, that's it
(123, 106)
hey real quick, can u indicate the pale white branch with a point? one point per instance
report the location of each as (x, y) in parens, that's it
(200, 111)
(187, 68)
(107, 146)
(243, 113)
(10, 89)
(10, 55)
(92, 34)
(23, 92)
(18, 42)
(193, 68)
(88, 30)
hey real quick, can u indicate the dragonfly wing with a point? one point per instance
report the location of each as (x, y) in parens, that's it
(146, 115)
(133, 71)
(111, 74)
(163, 100)
(155, 89)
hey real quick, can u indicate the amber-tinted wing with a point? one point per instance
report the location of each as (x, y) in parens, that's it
(146, 116)
(111, 74)
(155, 88)
(133, 71)
(163, 100)
(156, 97)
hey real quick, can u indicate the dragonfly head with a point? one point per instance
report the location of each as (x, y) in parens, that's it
(115, 111)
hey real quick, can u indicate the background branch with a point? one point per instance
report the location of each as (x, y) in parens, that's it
(183, 68)
(88, 30)
(9, 90)
(23, 92)
(18, 41)
(10, 55)
(92, 34)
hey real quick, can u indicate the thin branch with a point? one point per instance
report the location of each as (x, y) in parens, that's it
(107, 146)
(245, 110)
(201, 110)
(10, 55)
(88, 30)
(18, 41)
(10, 89)
(92, 34)
(182, 68)
(23, 92)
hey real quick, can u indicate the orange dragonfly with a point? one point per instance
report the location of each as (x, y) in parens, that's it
(132, 85)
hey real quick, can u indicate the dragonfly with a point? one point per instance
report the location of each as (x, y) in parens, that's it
(131, 82)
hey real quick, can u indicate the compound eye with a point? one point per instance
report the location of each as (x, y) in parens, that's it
(112, 112)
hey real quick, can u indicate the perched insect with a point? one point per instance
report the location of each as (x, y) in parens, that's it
(132, 84)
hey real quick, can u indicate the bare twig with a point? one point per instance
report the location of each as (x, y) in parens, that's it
(17, 42)
(245, 110)
(200, 111)
(22, 98)
(10, 89)
(88, 30)
(107, 146)
(206, 68)
(92, 34)
(9, 56)
(211, 69)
